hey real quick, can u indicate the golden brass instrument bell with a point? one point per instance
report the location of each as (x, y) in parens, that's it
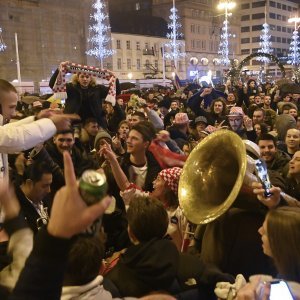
(212, 176)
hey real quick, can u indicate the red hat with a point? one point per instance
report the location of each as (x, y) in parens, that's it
(171, 177)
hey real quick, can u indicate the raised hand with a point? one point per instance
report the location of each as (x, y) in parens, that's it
(70, 215)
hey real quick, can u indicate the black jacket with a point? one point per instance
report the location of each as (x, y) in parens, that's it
(79, 97)
(152, 172)
(29, 212)
(146, 267)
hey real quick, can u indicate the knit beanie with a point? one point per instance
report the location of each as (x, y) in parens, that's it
(102, 134)
(171, 177)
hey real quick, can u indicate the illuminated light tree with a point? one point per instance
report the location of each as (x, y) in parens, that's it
(294, 54)
(224, 44)
(265, 43)
(225, 35)
(2, 44)
(174, 45)
(100, 39)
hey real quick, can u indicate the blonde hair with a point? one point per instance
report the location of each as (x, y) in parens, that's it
(75, 80)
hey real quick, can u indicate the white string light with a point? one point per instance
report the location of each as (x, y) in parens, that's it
(100, 40)
(294, 54)
(225, 35)
(265, 43)
(174, 45)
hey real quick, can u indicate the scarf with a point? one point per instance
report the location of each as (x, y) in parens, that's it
(59, 87)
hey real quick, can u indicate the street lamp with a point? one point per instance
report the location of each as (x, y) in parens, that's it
(224, 42)
(294, 20)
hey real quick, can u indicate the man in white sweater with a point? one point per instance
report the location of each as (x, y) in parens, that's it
(26, 133)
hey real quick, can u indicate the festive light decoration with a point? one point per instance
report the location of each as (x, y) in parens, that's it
(225, 35)
(100, 40)
(2, 44)
(294, 54)
(174, 45)
(265, 43)
(234, 72)
(224, 44)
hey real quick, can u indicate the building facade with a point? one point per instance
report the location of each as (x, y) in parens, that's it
(48, 32)
(276, 13)
(201, 26)
(140, 56)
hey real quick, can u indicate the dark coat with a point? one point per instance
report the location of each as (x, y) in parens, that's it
(80, 162)
(232, 243)
(114, 120)
(208, 98)
(146, 267)
(29, 212)
(77, 97)
(195, 104)
(279, 163)
(152, 172)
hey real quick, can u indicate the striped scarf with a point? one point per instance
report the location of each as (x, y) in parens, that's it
(59, 87)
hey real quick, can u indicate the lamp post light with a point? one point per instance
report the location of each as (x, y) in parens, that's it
(224, 42)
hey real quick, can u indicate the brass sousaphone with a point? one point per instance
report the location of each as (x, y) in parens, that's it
(213, 176)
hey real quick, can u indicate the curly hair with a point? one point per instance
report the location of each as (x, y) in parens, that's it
(224, 109)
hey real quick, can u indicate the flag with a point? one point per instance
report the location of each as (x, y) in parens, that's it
(178, 83)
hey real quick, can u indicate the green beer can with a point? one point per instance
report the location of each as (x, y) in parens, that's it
(92, 186)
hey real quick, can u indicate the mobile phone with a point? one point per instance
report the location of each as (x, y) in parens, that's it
(262, 174)
(280, 291)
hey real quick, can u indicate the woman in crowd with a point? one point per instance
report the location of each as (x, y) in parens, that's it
(280, 240)
(260, 128)
(119, 140)
(292, 142)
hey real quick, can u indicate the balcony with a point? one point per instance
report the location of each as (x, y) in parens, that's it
(148, 51)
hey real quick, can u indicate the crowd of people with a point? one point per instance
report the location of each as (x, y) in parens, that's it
(51, 243)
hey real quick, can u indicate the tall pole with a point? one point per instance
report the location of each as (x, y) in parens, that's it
(174, 35)
(164, 65)
(265, 63)
(226, 34)
(18, 64)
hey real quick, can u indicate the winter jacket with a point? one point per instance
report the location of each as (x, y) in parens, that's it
(87, 103)
(148, 266)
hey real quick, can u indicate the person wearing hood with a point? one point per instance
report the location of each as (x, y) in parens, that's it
(283, 123)
(151, 263)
